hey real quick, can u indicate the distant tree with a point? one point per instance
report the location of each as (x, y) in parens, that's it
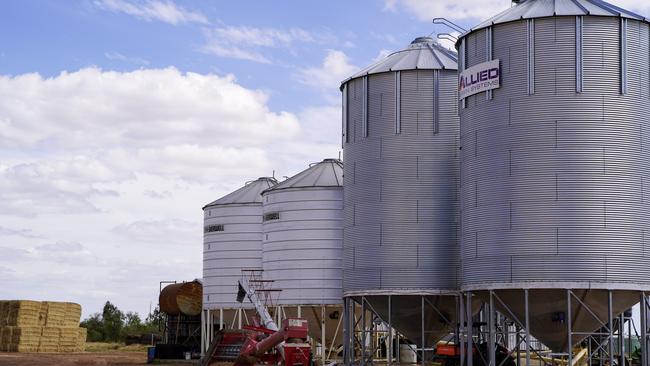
(95, 327)
(113, 325)
(113, 320)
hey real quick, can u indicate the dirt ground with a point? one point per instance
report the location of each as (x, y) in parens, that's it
(79, 359)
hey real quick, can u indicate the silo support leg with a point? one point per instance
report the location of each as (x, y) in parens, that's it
(422, 329)
(203, 332)
(527, 326)
(462, 328)
(468, 303)
(390, 331)
(492, 337)
(644, 329)
(610, 328)
(569, 319)
(346, 330)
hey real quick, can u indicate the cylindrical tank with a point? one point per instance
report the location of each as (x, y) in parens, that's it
(400, 139)
(232, 241)
(181, 298)
(554, 161)
(303, 234)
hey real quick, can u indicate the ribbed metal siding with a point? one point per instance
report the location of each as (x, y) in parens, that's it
(401, 189)
(553, 184)
(226, 252)
(302, 250)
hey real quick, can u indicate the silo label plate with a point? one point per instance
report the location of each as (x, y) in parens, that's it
(479, 78)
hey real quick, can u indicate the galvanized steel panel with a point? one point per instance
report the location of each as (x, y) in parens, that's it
(302, 249)
(238, 246)
(553, 184)
(401, 196)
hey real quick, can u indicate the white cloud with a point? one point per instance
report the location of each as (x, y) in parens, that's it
(103, 166)
(91, 108)
(642, 7)
(327, 77)
(248, 43)
(163, 11)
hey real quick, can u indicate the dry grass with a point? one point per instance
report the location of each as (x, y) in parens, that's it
(114, 347)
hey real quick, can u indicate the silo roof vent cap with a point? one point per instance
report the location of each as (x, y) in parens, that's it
(422, 40)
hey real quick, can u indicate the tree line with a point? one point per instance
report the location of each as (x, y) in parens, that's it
(113, 325)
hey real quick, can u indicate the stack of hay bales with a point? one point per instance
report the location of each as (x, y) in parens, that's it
(33, 326)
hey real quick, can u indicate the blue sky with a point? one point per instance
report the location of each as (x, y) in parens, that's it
(120, 119)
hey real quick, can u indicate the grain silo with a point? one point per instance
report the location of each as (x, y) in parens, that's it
(302, 247)
(232, 241)
(400, 140)
(554, 137)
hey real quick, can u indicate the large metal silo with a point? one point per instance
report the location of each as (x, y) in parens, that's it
(554, 164)
(232, 241)
(400, 140)
(303, 229)
(302, 247)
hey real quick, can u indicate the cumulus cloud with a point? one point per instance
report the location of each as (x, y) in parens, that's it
(336, 66)
(150, 107)
(150, 10)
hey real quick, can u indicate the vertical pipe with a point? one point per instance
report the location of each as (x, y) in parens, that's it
(569, 319)
(323, 342)
(220, 318)
(644, 329)
(239, 322)
(610, 326)
(462, 327)
(363, 330)
(422, 329)
(517, 337)
(621, 338)
(346, 331)
(470, 346)
(491, 331)
(203, 332)
(390, 330)
(353, 332)
(527, 325)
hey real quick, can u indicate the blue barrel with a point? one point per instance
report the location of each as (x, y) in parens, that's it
(151, 354)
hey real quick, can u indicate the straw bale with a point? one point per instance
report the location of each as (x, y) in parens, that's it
(72, 314)
(12, 347)
(22, 312)
(5, 335)
(55, 314)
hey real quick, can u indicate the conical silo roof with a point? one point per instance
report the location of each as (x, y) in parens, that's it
(327, 173)
(251, 192)
(531, 9)
(424, 53)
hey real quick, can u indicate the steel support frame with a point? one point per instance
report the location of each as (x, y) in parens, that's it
(357, 328)
(605, 338)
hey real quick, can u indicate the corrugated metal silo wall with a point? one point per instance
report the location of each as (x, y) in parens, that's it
(226, 252)
(401, 194)
(302, 248)
(553, 184)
